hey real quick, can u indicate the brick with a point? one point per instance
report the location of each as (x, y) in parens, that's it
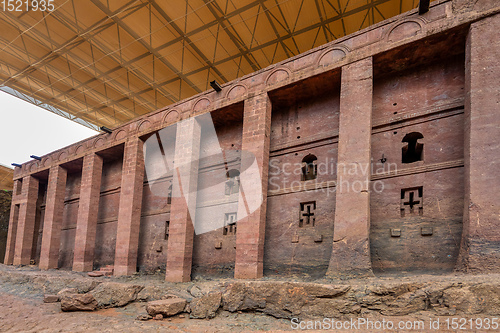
(250, 234)
(183, 207)
(480, 248)
(26, 221)
(13, 221)
(129, 215)
(83, 259)
(351, 251)
(51, 237)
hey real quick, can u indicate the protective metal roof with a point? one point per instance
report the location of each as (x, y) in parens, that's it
(105, 62)
(6, 176)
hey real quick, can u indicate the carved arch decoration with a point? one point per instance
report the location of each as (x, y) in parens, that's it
(278, 75)
(333, 55)
(405, 29)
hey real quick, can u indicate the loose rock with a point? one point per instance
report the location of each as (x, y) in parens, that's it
(78, 302)
(206, 306)
(144, 317)
(195, 291)
(67, 291)
(113, 294)
(167, 307)
(50, 298)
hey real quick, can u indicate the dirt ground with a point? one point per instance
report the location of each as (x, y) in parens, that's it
(22, 310)
(28, 313)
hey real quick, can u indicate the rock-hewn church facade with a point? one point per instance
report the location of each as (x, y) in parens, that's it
(377, 152)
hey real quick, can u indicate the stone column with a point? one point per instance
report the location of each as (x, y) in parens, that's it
(26, 221)
(351, 248)
(86, 225)
(51, 237)
(480, 250)
(251, 228)
(129, 215)
(182, 213)
(13, 220)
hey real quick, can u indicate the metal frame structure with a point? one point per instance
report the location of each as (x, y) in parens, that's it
(105, 62)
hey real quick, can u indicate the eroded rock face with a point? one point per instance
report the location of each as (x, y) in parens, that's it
(67, 291)
(78, 302)
(288, 300)
(205, 306)
(166, 307)
(112, 294)
(50, 298)
(278, 299)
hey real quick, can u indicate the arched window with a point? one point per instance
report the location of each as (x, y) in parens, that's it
(309, 167)
(412, 151)
(232, 182)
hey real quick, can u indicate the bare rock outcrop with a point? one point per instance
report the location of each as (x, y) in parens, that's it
(78, 302)
(206, 306)
(113, 294)
(166, 307)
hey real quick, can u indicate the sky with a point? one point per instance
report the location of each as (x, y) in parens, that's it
(27, 130)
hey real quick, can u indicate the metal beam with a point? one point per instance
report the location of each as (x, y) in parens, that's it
(423, 6)
(139, 39)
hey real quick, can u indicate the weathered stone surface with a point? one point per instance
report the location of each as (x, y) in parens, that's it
(50, 298)
(406, 304)
(78, 302)
(278, 299)
(144, 317)
(112, 294)
(150, 293)
(488, 295)
(195, 291)
(287, 300)
(5, 202)
(331, 308)
(95, 274)
(351, 251)
(67, 291)
(324, 290)
(153, 293)
(205, 306)
(167, 307)
(81, 285)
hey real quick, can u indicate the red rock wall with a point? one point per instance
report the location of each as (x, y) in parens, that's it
(434, 74)
(301, 126)
(429, 100)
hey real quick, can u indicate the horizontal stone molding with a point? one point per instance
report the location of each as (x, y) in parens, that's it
(450, 108)
(225, 201)
(359, 45)
(115, 218)
(305, 186)
(310, 142)
(418, 169)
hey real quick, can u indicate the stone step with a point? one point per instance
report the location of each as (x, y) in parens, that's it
(107, 270)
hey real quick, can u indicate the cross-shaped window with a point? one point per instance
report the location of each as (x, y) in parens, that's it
(229, 224)
(411, 198)
(307, 213)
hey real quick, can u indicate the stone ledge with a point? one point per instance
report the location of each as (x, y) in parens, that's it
(452, 294)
